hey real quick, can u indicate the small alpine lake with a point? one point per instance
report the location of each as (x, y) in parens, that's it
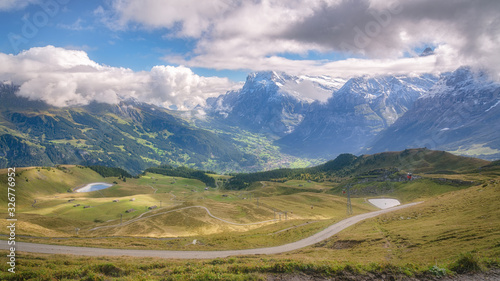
(93, 187)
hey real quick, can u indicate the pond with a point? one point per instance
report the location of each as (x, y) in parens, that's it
(93, 187)
(384, 203)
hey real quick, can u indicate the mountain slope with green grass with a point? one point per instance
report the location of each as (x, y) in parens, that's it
(128, 135)
(382, 166)
(455, 230)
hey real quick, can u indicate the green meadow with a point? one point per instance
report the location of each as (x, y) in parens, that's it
(455, 230)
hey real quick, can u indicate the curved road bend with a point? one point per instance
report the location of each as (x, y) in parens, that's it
(85, 251)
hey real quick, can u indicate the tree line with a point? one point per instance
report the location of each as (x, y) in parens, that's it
(183, 172)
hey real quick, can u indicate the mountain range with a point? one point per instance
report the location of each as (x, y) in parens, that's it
(460, 113)
(274, 120)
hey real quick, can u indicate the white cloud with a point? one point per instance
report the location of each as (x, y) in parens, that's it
(235, 34)
(179, 86)
(195, 17)
(64, 77)
(8, 5)
(78, 25)
(444, 60)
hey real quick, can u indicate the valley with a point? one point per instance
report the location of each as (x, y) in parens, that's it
(221, 140)
(458, 216)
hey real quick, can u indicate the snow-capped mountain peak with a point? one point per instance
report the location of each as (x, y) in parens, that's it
(462, 79)
(274, 101)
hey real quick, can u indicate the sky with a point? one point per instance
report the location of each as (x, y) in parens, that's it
(177, 53)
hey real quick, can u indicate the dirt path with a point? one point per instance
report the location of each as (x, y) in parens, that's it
(86, 251)
(155, 189)
(176, 210)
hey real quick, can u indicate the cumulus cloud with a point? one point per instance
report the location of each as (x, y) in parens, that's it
(64, 77)
(194, 17)
(235, 34)
(180, 87)
(389, 29)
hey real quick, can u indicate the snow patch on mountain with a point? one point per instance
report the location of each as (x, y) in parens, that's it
(312, 88)
(498, 102)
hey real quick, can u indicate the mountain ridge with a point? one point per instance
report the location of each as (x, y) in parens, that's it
(354, 114)
(262, 126)
(460, 114)
(269, 102)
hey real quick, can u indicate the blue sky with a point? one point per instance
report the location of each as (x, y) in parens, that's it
(185, 51)
(77, 26)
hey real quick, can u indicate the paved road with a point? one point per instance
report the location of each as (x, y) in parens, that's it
(85, 251)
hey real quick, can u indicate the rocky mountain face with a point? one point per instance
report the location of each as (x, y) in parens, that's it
(355, 114)
(460, 113)
(271, 102)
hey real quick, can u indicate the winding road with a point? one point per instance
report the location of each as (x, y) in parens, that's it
(311, 240)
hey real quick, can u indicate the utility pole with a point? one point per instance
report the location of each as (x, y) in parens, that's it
(349, 206)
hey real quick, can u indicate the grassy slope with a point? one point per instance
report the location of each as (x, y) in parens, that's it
(410, 241)
(32, 183)
(304, 202)
(195, 222)
(348, 166)
(427, 240)
(419, 160)
(437, 230)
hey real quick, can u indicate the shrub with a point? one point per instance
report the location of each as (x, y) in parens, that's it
(109, 269)
(437, 271)
(465, 264)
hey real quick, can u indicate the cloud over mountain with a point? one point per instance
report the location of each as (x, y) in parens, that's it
(64, 77)
(257, 35)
